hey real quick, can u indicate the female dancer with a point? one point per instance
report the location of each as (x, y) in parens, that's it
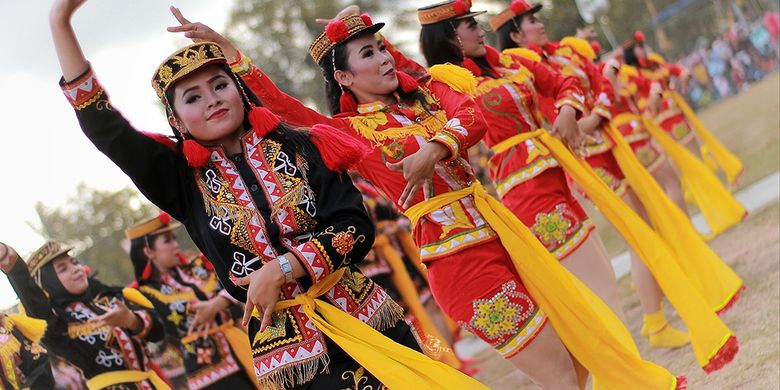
(714, 281)
(528, 179)
(269, 207)
(419, 134)
(99, 329)
(215, 352)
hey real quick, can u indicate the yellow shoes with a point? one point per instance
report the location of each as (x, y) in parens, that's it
(661, 334)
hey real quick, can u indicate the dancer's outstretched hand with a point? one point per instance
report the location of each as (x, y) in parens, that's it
(200, 32)
(62, 10)
(8, 257)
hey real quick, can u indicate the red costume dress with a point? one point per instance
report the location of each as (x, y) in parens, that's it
(669, 117)
(627, 118)
(528, 178)
(455, 242)
(566, 60)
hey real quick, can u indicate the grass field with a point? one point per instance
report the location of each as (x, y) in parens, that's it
(749, 125)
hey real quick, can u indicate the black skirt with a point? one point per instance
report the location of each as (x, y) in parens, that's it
(345, 373)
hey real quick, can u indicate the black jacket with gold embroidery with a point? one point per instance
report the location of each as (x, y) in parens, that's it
(208, 359)
(245, 210)
(70, 335)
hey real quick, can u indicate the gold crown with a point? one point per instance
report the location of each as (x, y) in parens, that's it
(338, 31)
(457, 9)
(45, 254)
(517, 7)
(157, 225)
(183, 62)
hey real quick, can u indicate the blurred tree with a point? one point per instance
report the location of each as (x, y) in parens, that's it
(94, 221)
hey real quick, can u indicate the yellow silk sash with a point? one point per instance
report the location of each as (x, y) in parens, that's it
(708, 333)
(589, 329)
(110, 378)
(395, 365)
(727, 161)
(707, 272)
(719, 207)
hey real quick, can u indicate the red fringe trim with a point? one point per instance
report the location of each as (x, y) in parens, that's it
(339, 151)
(182, 258)
(197, 155)
(147, 271)
(262, 121)
(207, 263)
(406, 83)
(682, 383)
(724, 356)
(731, 302)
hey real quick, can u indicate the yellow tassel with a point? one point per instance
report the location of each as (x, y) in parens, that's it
(525, 53)
(657, 58)
(581, 46)
(457, 77)
(32, 328)
(628, 71)
(136, 297)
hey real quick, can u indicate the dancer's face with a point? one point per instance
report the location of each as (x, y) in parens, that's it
(370, 69)
(472, 38)
(532, 32)
(71, 274)
(165, 255)
(208, 105)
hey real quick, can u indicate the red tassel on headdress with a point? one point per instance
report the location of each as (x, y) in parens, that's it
(339, 151)
(263, 121)
(196, 154)
(336, 31)
(406, 82)
(147, 271)
(164, 218)
(347, 102)
(461, 7)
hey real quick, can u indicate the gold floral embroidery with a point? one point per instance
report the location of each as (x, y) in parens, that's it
(498, 316)
(359, 378)
(274, 331)
(353, 280)
(165, 73)
(551, 228)
(344, 241)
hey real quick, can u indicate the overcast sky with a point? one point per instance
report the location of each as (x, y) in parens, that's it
(43, 153)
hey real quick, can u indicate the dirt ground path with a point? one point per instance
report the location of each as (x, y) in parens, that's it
(753, 250)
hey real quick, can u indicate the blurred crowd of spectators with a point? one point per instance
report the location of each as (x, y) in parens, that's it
(742, 55)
